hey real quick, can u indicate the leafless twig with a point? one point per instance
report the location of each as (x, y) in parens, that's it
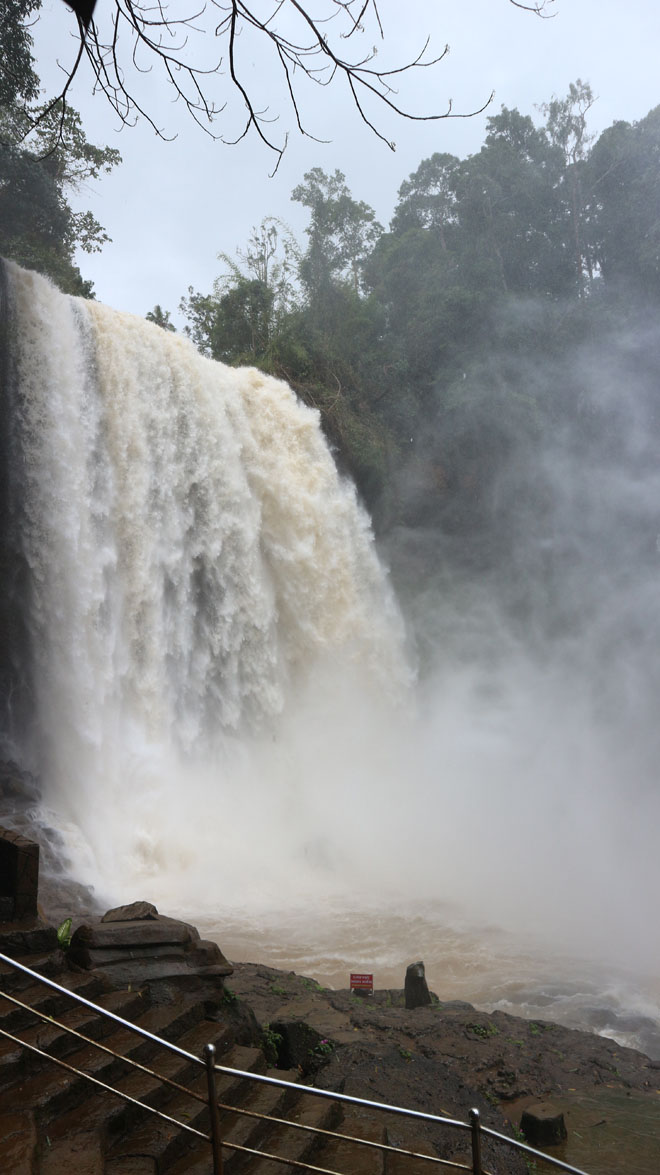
(143, 36)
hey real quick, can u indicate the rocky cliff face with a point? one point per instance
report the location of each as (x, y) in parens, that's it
(14, 661)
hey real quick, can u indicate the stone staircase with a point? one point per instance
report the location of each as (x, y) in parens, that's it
(53, 1122)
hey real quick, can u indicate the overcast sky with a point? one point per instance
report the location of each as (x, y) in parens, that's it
(172, 206)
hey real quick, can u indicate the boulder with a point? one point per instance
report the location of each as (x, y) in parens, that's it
(135, 912)
(32, 936)
(153, 932)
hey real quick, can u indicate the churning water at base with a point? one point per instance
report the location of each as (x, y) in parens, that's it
(483, 964)
(224, 719)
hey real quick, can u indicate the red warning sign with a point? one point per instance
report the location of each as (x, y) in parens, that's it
(362, 981)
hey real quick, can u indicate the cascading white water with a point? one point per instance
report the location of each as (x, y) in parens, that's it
(195, 559)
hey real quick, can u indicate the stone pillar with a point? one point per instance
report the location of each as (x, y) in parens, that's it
(416, 988)
(543, 1125)
(19, 877)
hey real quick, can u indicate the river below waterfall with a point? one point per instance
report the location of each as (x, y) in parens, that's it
(488, 967)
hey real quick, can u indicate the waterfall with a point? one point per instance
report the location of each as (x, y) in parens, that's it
(203, 662)
(197, 580)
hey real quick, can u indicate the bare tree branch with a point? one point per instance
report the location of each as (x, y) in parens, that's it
(539, 8)
(143, 36)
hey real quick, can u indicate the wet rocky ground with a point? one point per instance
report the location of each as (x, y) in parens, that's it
(449, 1056)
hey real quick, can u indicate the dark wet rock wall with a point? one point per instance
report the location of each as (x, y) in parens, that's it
(15, 683)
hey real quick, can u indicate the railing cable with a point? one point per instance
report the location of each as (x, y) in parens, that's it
(102, 1085)
(80, 999)
(97, 1044)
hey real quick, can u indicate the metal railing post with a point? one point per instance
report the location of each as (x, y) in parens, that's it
(475, 1124)
(216, 1141)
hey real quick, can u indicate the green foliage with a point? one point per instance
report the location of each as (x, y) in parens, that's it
(518, 1134)
(566, 121)
(427, 348)
(271, 1042)
(623, 173)
(64, 934)
(341, 233)
(427, 200)
(270, 259)
(322, 1051)
(538, 1029)
(160, 318)
(241, 327)
(483, 1031)
(41, 164)
(311, 984)
(18, 80)
(239, 322)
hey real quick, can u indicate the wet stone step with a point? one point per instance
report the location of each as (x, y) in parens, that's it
(162, 1142)
(123, 1042)
(134, 933)
(136, 1165)
(249, 1060)
(100, 1112)
(198, 1160)
(80, 1153)
(242, 1129)
(18, 1141)
(402, 1164)
(342, 1155)
(114, 1118)
(36, 995)
(162, 1139)
(296, 1145)
(51, 965)
(166, 1021)
(53, 1089)
(29, 937)
(232, 1091)
(16, 1062)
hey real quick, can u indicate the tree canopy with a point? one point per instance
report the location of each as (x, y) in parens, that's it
(44, 157)
(423, 344)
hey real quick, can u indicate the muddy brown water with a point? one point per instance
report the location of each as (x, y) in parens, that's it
(482, 964)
